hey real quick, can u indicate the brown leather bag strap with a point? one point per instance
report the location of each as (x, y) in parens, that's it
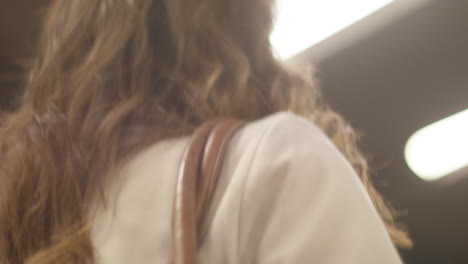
(196, 183)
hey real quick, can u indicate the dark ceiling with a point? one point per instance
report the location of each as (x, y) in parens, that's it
(403, 76)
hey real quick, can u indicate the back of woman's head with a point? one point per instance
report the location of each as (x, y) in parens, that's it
(192, 56)
(113, 76)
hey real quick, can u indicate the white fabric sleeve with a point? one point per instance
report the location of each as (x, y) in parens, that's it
(303, 203)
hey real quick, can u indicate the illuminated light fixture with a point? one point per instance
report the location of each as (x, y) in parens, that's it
(303, 23)
(439, 149)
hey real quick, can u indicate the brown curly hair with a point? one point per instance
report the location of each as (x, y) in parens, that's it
(114, 76)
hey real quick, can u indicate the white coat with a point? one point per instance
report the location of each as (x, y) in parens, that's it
(286, 195)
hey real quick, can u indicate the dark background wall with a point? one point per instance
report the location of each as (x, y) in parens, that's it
(388, 83)
(19, 26)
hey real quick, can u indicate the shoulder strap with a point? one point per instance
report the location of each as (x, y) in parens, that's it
(196, 183)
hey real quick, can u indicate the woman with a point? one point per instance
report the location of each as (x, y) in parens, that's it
(89, 159)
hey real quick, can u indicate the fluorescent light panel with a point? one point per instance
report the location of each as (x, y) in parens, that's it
(303, 23)
(439, 149)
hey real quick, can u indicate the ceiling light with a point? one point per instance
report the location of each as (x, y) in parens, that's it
(440, 148)
(303, 23)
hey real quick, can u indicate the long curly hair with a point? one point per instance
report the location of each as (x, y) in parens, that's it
(114, 76)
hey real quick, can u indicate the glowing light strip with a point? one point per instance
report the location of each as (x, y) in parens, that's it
(303, 23)
(439, 149)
